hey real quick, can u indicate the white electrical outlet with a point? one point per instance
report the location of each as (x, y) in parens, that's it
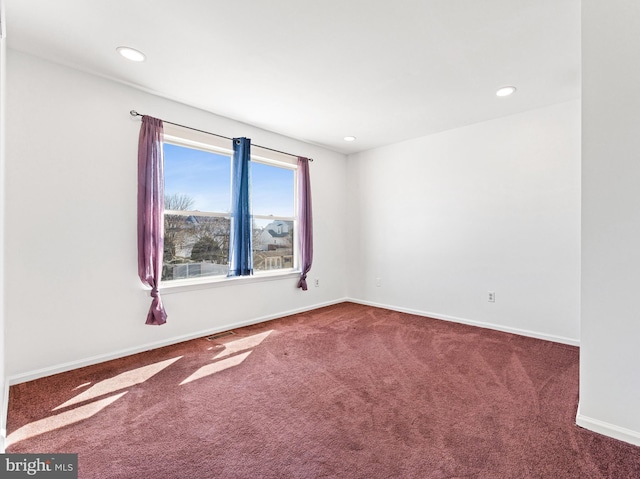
(316, 283)
(491, 297)
(378, 282)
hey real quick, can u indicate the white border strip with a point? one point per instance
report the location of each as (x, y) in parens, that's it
(64, 367)
(3, 21)
(5, 413)
(496, 327)
(4, 383)
(607, 429)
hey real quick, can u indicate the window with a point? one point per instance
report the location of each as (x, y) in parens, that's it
(272, 197)
(197, 177)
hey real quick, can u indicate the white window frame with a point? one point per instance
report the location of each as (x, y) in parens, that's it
(188, 138)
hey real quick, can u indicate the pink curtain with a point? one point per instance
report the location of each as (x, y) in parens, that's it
(150, 213)
(305, 221)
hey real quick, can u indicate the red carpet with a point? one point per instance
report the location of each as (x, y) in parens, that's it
(347, 391)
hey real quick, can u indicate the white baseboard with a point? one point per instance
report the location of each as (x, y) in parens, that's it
(497, 327)
(595, 425)
(61, 368)
(611, 430)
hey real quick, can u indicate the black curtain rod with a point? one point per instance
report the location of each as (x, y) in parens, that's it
(135, 113)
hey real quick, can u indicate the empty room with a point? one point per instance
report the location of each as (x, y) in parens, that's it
(298, 239)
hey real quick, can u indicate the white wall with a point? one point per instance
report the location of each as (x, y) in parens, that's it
(493, 206)
(73, 294)
(610, 335)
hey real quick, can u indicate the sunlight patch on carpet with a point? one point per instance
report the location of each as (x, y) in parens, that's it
(60, 420)
(216, 367)
(121, 381)
(242, 344)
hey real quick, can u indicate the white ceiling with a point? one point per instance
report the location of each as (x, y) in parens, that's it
(381, 70)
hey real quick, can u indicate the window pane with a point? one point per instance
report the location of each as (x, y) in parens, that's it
(196, 180)
(271, 190)
(272, 244)
(195, 246)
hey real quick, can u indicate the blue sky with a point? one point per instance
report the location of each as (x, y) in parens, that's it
(205, 177)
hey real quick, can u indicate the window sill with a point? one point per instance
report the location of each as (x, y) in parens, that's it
(184, 285)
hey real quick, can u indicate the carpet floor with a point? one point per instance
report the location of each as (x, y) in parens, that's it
(346, 391)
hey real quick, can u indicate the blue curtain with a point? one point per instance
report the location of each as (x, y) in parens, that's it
(240, 242)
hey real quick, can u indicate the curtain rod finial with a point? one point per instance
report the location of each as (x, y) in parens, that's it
(134, 113)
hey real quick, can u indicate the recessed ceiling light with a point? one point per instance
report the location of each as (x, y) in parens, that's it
(349, 138)
(131, 54)
(506, 91)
